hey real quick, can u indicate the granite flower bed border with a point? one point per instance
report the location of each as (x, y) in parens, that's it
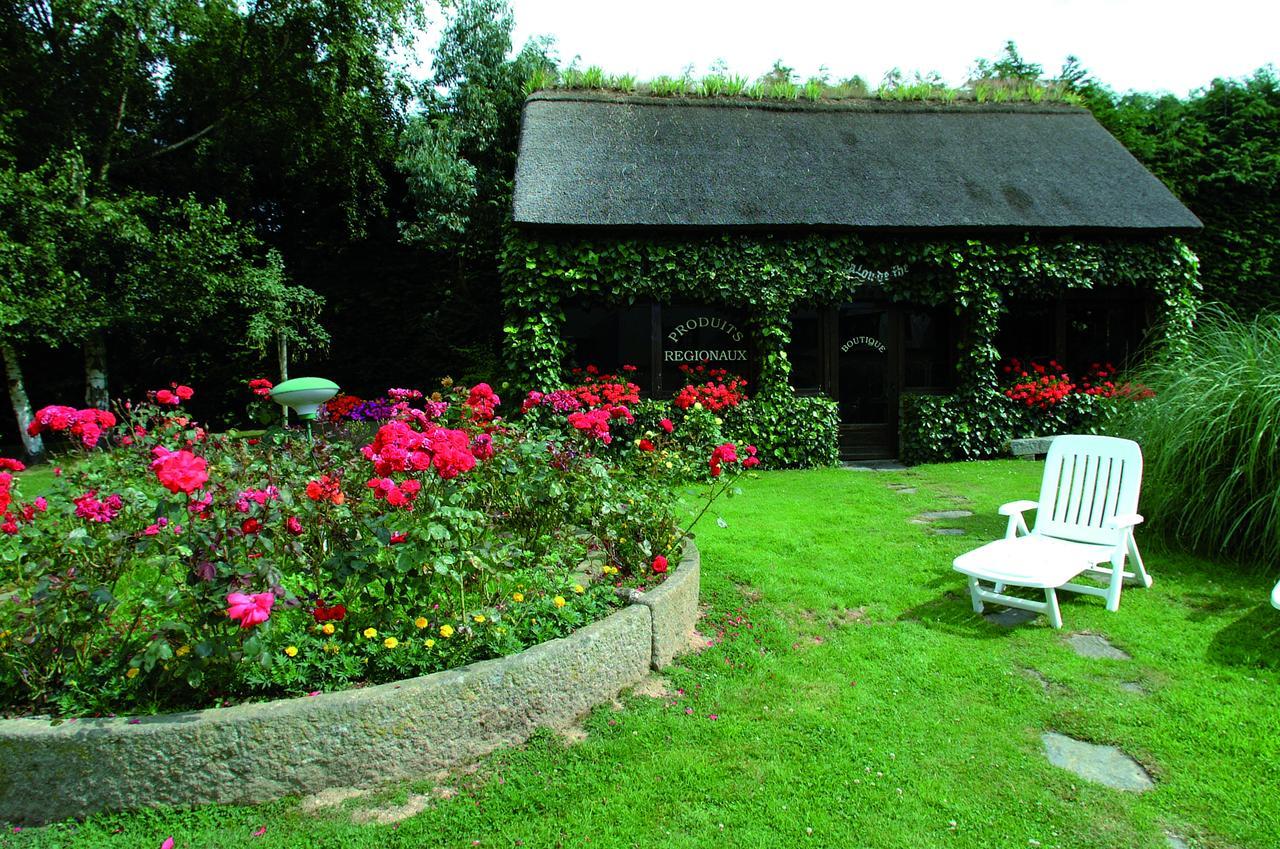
(356, 738)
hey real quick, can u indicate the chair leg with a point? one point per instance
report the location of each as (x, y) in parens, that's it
(999, 588)
(973, 595)
(1052, 611)
(1139, 568)
(1116, 585)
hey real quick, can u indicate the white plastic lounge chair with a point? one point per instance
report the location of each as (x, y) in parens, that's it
(1084, 524)
(1275, 597)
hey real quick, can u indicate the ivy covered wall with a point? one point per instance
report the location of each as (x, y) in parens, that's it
(767, 274)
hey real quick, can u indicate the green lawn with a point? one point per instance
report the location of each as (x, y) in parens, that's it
(853, 699)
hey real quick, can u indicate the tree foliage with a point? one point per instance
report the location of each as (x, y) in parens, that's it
(1219, 152)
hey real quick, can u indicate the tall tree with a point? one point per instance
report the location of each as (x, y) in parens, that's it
(1219, 152)
(458, 157)
(283, 111)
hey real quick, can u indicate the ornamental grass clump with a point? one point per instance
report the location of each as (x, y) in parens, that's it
(1211, 439)
(175, 568)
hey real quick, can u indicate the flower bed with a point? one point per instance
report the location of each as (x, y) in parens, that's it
(175, 569)
(361, 737)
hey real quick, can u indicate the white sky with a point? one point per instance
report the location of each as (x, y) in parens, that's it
(1145, 45)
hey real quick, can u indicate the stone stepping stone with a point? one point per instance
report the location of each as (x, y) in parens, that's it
(947, 532)
(1175, 841)
(1010, 616)
(934, 515)
(1134, 687)
(1092, 762)
(1093, 645)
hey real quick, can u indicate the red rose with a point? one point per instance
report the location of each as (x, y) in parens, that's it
(180, 471)
(164, 396)
(646, 445)
(250, 526)
(659, 565)
(294, 525)
(184, 392)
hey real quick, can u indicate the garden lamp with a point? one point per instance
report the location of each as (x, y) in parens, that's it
(304, 395)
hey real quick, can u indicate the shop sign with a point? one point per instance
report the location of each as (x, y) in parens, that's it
(868, 341)
(873, 275)
(728, 352)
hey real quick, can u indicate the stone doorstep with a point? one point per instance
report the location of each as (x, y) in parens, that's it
(362, 737)
(1031, 446)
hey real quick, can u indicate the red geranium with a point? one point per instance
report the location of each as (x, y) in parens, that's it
(261, 387)
(329, 614)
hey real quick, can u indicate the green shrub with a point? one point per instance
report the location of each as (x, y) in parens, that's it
(939, 428)
(790, 431)
(1211, 439)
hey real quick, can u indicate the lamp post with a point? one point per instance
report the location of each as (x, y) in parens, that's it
(304, 395)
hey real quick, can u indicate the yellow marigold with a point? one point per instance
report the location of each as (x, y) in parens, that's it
(371, 632)
(391, 642)
(446, 631)
(328, 629)
(132, 673)
(429, 643)
(183, 651)
(517, 597)
(420, 622)
(560, 602)
(579, 589)
(292, 651)
(478, 618)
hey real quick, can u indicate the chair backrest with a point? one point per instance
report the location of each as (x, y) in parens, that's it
(1088, 480)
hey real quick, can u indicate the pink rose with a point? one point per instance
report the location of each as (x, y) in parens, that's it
(250, 610)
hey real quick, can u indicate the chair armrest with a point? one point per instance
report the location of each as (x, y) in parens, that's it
(1125, 520)
(1013, 508)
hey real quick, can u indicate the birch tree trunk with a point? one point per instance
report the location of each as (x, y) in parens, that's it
(95, 371)
(282, 355)
(33, 445)
(282, 358)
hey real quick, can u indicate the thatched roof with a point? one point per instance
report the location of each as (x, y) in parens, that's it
(611, 160)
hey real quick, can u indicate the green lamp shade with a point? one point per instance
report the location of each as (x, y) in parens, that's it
(304, 395)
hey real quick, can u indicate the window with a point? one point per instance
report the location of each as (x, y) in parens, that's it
(805, 350)
(1103, 331)
(701, 335)
(611, 338)
(1029, 331)
(927, 346)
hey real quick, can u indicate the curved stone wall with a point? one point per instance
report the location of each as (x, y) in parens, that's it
(256, 752)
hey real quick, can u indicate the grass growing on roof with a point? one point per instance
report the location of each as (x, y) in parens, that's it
(926, 89)
(851, 691)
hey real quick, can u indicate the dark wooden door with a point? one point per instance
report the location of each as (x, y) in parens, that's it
(865, 361)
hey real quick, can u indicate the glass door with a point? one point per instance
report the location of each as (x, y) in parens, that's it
(867, 359)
